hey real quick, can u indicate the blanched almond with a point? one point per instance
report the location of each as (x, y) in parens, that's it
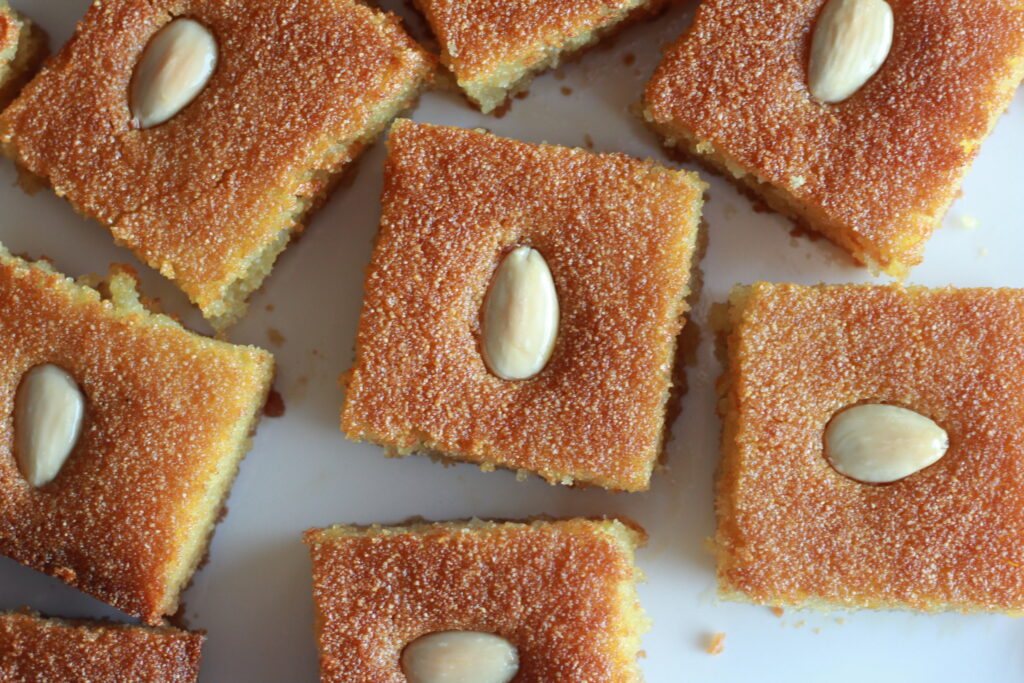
(48, 411)
(175, 67)
(877, 443)
(460, 657)
(520, 319)
(851, 41)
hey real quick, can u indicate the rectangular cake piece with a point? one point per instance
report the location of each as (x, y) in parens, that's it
(165, 418)
(38, 650)
(213, 195)
(876, 172)
(792, 529)
(562, 593)
(616, 236)
(23, 45)
(495, 47)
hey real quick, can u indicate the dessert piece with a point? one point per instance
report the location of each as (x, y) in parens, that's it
(549, 600)
(34, 649)
(874, 172)
(871, 449)
(288, 95)
(494, 47)
(143, 427)
(23, 46)
(571, 382)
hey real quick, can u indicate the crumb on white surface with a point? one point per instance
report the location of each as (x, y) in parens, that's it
(969, 222)
(716, 644)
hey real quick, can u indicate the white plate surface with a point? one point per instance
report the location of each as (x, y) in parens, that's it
(254, 595)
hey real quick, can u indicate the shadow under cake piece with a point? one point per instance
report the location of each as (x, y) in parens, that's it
(212, 196)
(23, 45)
(618, 236)
(874, 173)
(38, 650)
(494, 47)
(562, 592)
(168, 416)
(792, 530)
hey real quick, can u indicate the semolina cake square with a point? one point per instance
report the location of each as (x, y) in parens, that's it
(495, 47)
(167, 418)
(212, 196)
(618, 236)
(793, 531)
(38, 650)
(562, 592)
(874, 173)
(23, 46)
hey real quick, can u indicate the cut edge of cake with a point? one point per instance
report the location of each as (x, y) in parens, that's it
(325, 175)
(506, 79)
(895, 262)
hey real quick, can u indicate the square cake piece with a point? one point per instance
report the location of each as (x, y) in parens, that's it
(616, 237)
(495, 47)
(793, 530)
(119, 497)
(38, 650)
(23, 45)
(561, 593)
(874, 173)
(213, 195)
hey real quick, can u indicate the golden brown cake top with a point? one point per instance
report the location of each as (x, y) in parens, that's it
(35, 649)
(883, 164)
(197, 197)
(617, 235)
(794, 530)
(480, 37)
(165, 409)
(561, 592)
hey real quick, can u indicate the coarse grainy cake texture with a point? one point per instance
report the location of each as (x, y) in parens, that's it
(168, 417)
(212, 196)
(23, 46)
(874, 173)
(793, 531)
(562, 592)
(38, 650)
(494, 47)
(618, 237)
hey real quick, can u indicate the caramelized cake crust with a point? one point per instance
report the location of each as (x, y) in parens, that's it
(168, 417)
(562, 592)
(618, 235)
(23, 45)
(37, 650)
(874, 173)
(493, 47)
(211, 197)
(792, 531)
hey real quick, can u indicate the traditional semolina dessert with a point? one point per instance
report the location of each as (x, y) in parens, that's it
(202, 133)
(38, 650)
(494, 47)
(23, 46)
(871, 454)
(855, 118)
(522, 306)
(120, 435)
(547, 600)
